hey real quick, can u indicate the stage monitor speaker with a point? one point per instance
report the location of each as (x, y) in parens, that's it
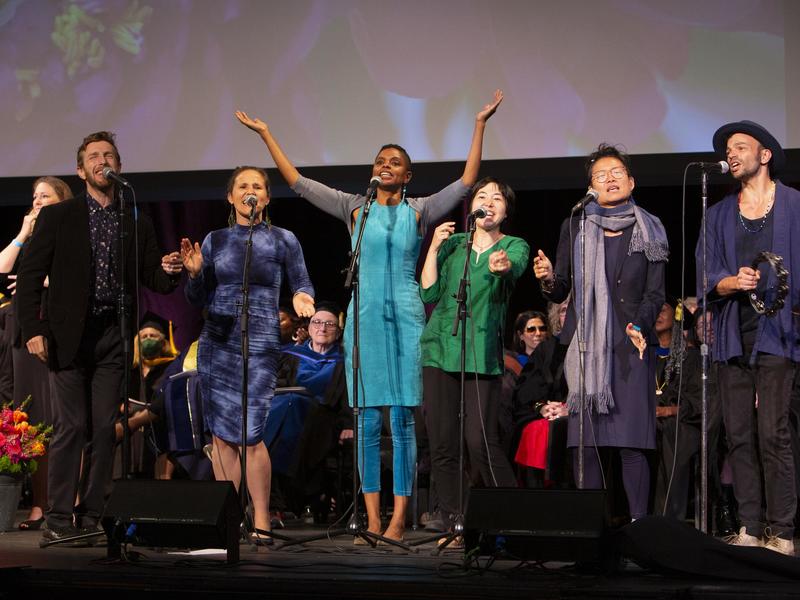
(173, 514)
(541, 525)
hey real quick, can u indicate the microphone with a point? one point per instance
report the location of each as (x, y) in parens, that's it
(478, 213)
(590, 195)
(109, 173)
(721, 166)
(373, 185)
(251, 200)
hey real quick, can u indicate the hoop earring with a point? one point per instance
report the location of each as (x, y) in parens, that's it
(232, 217)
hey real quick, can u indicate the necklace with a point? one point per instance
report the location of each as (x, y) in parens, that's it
(763, 219)
(480, 249)
(661, 385)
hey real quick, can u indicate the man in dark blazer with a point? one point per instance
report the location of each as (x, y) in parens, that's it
(75, 246)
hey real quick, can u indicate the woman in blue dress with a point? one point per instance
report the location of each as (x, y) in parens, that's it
(391, 315)
(215, 281)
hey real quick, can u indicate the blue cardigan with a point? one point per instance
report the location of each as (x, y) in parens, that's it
(776, 335)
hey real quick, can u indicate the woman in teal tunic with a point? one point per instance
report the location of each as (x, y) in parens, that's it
(391, 315)
(496, 261)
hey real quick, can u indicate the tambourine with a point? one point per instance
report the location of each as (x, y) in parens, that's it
(776, 263)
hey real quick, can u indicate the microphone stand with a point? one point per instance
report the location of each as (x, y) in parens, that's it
(123, 302)
(581, 333)
(244, 328)
(704, 363)
(244, 324)
(355, 527)
(460, 318)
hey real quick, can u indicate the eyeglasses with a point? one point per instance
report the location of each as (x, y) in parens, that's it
(324, 324)
(532, 328)
(602, 176)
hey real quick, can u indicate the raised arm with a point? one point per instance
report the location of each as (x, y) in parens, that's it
(285, 166)
(10, 253)
(430, 269)
(473, 164)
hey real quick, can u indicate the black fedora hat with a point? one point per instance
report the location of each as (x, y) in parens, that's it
(755, 130)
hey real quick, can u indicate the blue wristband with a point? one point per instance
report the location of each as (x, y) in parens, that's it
(17, 243)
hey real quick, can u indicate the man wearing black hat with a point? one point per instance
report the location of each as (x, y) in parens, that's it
(757, 353)
(77, 332)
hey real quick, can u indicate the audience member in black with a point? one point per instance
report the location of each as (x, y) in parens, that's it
(151, 357)
(30, 375)
(678, 411)
(294, 329)
(530, 330)
(540, 394)
(6, 342)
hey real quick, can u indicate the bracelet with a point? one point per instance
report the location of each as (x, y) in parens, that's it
(537, 408)
(17, 243)
(548, 286)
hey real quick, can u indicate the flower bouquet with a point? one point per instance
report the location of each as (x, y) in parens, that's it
(20, 442)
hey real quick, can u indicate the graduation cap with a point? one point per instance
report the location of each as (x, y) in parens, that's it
(159, 323)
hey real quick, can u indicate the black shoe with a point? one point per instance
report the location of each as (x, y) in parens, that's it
(726, 525)
(726, 513)
(55, 533)
(97, 534)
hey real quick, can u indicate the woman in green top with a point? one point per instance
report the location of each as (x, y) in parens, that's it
(496, 262)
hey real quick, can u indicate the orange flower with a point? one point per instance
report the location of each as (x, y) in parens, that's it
(37, 449)
(20, 416)
(22, 427)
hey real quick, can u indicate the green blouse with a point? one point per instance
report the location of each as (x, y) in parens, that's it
(487, 301)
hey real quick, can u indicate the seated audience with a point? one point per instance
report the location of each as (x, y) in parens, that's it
(309, 418)
(539, 398)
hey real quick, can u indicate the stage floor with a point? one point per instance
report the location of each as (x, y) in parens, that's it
(333, 568)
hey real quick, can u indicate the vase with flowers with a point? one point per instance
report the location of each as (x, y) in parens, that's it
(21, 443)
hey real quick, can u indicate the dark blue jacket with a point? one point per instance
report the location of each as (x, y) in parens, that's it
(776, 335)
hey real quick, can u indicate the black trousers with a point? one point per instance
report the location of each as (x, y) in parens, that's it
(85, 403)
(488, 463)
(682, 455)
(759, 441)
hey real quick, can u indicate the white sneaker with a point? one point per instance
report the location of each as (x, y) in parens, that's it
(781, 545)
(743, 539)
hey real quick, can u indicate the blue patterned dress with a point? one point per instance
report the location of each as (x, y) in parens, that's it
(219, 355)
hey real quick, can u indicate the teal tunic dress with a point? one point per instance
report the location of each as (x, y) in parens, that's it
(392, 314)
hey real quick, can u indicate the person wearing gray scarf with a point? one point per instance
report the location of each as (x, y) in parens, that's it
(622, 289)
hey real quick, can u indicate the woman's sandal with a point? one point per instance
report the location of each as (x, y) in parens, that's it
(31, 524)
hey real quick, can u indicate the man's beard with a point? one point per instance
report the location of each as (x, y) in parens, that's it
(103, 187)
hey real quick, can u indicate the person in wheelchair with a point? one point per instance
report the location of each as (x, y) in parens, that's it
(309, 420)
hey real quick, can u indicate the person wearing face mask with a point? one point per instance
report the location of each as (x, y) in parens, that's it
(30, 375)
(215, 282)
(391, 315)
(152, 355)
(626, 251)
(495, 263)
